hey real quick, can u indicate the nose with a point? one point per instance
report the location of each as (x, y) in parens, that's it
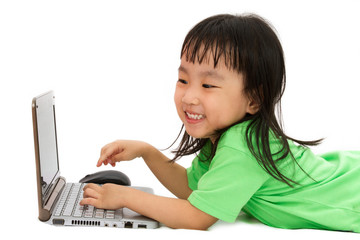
(191, 97)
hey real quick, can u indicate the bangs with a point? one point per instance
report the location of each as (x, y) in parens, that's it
(216, 37)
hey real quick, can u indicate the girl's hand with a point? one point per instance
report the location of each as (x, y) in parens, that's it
(107, 196)
(121, 151)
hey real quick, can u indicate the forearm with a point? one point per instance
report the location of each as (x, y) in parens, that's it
(172, 175)
(174, 213)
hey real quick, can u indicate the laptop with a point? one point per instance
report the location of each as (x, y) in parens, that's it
(58, 200)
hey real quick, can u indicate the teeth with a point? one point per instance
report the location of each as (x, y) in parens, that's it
(195, 116)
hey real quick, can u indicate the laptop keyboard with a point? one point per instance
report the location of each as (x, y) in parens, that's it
(69, 204)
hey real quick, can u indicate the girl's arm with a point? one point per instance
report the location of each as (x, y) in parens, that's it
(174, 213)
(172, 175)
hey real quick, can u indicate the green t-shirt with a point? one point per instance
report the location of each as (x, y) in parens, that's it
(234, 181)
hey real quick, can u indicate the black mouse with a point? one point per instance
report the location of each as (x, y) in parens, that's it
(108, 176)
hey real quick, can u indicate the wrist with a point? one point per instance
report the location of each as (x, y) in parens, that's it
(126, 196)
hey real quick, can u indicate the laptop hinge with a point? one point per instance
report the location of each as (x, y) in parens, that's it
(45, 214)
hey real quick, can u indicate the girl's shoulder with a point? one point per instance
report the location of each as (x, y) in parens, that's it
(236, 138)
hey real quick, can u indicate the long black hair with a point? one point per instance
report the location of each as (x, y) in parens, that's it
(249, 45)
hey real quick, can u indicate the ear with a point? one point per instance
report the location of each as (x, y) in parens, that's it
(253, 107)
(255, 99)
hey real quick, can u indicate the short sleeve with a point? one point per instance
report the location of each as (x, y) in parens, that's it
(199, 166)
(196, 171)
(229, 182)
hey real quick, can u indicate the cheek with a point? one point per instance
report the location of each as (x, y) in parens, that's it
(178, 101)
(238, 109)
(228, 110)
(177, 98)
(214, 109)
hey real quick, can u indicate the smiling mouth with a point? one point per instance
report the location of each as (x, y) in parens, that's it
(194, 116)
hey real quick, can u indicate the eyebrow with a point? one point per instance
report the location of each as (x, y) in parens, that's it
(209, 73)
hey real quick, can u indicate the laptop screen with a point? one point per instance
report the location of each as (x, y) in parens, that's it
(47, 143)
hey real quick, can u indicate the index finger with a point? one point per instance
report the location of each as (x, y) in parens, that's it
(100, 161)
(106, 152)
(103, 157)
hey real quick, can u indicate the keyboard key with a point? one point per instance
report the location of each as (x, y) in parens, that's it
(110, 214)
(89, 211)
(99, 213)
(78, 211)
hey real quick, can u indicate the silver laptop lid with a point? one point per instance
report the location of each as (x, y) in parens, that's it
(46, 151)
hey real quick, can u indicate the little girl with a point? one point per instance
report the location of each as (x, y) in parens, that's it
(231, 79)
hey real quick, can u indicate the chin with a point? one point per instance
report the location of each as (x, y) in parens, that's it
(198, 135)
(193, 134)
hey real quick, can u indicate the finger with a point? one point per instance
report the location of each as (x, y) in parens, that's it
(93, 186)
(112, 159)
(106, 157)
(122, 156)
(89, 201)
(104, 154)
(109, 161)
(103, 161)
(91, 193)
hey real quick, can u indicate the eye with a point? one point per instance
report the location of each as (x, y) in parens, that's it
(208, 86)
(182, 81)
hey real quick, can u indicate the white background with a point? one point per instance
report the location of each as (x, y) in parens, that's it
(113, 67)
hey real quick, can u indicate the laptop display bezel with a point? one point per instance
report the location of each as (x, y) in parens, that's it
(45, 201)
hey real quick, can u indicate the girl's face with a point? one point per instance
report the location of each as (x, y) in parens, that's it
(208, 99)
